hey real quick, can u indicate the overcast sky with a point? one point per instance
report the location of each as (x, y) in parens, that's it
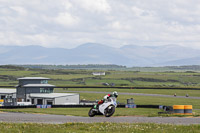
(69, 23)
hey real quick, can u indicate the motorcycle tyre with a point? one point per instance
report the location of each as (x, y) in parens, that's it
(109, 114)
(91, 113)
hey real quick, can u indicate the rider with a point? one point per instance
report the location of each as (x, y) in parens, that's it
(114, 94)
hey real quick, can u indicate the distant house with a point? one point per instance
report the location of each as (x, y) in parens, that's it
(98, 73)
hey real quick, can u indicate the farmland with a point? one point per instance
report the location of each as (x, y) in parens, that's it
(76, 77)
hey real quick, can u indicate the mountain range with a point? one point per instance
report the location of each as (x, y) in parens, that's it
(93, 53)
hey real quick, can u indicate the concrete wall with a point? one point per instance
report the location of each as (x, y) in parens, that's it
(67, 99)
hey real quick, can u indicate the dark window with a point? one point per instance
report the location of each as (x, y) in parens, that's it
(32, 101)
(2, 97)
(49, 102)
(39, 102)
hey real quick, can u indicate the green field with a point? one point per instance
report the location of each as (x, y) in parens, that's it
(97, 128)
(194, 93)
(66, 77)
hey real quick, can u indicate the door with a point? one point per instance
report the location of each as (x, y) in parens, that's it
(49, 102)
(39, 102)
(32, 101)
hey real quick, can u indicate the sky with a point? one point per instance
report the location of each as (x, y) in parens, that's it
(70, 23)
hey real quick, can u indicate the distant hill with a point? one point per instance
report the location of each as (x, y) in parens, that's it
(92, 53)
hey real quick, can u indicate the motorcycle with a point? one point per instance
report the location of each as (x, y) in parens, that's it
(107, 108)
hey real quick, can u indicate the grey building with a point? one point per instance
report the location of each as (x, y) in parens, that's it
(28, 85)
(36, 90)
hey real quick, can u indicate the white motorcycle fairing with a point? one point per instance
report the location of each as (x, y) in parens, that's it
(103, 106)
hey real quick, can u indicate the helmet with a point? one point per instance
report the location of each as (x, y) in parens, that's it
(115, 94)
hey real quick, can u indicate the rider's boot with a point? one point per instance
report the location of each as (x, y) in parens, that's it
(96, 107)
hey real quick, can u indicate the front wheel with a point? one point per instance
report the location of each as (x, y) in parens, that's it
(109, 111)
(91, 113)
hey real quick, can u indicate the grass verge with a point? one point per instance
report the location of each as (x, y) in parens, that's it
(97, 128)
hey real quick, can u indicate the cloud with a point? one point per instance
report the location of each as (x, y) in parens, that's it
(98, 6)
(69, 23)
(66, 19)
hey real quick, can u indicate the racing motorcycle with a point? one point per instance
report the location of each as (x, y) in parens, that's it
(107, 108)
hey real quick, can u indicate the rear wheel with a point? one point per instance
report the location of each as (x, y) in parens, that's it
(109, 111)
(91, 113)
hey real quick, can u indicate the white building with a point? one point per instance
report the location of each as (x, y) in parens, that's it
(55, 98)
(98, 73)
(7, 93)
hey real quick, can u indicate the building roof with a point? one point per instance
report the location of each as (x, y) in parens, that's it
(7, 91)
(38, 85)
(33, 78)
(51, 95)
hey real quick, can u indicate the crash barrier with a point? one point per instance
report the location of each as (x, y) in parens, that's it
(166, 108)
(15, 107)
(43, 106)
(182, 109)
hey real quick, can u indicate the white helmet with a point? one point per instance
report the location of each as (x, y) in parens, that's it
(115, 94)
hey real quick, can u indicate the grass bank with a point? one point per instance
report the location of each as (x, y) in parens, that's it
(97, 128)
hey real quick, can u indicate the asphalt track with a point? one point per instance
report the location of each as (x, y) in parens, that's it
(59, 119)
(136, 94)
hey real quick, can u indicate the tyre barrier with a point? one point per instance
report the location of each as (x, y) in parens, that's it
(188, 109)
(178, 109)
(182, 109)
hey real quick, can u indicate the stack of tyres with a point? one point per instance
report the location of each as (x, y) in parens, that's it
(182, 109)
(188, 109)
(178, 109)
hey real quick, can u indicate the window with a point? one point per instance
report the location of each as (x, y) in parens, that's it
(44, 82)
(2, 97)
(46, 90)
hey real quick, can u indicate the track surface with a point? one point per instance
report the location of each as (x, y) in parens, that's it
(137, 94)
(59, 119)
